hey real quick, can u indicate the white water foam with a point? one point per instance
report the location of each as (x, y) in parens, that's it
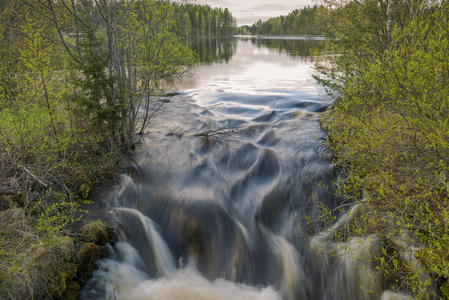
(122, 281)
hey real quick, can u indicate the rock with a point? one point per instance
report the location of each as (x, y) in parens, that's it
(96, 235)
(365, 258)
(388, 295)
(96, 232)
(88, 254)
(113, 238)
(63, 281)
(325, 120)
(86, 257)
(73, 291)
(66, 248)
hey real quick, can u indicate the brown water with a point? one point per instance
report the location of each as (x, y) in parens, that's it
(227, 216)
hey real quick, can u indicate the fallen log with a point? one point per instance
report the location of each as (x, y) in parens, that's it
(9, 191)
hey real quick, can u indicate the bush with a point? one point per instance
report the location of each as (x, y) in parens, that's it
(391, 131)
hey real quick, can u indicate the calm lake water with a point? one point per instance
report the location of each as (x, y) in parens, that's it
(232, 172)
(251, 68)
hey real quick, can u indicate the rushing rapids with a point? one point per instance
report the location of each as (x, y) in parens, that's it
(221, 203)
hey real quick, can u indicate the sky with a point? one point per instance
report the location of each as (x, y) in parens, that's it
(247, 12)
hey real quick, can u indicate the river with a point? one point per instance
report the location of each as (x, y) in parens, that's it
(227, 187)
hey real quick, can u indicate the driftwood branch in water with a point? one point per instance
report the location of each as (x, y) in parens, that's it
(229, 129)
(9, 191)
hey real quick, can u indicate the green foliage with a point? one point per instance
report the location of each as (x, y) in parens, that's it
(32, 266)
(54, 156)
(390, 129)
(53, 217)
(309, 20)
(34, 115)
(159, 51)
(67, 105)
(96, 98)
(195, 20)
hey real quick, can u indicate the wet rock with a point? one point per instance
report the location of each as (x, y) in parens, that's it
(98, 233)
(388, 295)
(73, 291)
(361, 257)
(325, 120)
(112, 235)
(88, 254)
(86, 257)
(63, 281)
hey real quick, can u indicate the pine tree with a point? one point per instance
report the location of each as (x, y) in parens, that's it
(95, 98)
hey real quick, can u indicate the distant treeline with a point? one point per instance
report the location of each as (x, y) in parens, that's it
(203, 21)
(309, 20)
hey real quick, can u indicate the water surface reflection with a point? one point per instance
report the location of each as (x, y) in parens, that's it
(206, 216)
(279, 68)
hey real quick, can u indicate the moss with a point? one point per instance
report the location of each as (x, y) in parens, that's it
(63, 281)
(73, 291)
(96, 232)
(86, 257)
(325, 120)
(88, 254)
(445, 290)
(66, 248)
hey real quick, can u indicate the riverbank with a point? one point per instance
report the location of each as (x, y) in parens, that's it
(390, 130)
(42, 255)
(381, 222)
(285, 37)
(403, 208)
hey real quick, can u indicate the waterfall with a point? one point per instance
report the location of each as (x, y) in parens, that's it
(225, 201)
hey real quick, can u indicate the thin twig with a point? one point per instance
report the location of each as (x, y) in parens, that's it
(34, 177)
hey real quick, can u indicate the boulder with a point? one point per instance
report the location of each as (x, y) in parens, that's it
(86, 257)
(96, 232)
(73, 291)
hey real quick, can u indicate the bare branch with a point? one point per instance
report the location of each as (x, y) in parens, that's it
(229, 129)
(34, 177)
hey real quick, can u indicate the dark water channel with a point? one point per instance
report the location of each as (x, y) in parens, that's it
(229, 176)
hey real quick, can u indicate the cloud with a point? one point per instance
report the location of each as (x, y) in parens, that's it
(247, 12)
(274, 7)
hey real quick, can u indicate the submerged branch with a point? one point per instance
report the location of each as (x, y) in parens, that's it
(229, 129)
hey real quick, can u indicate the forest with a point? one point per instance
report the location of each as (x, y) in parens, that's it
(79, 83)
(386, 66)
(81, 80)
(390, 132)
(308, 20)
(203, 21)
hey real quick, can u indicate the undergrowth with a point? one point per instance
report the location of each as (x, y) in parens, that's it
(390, 130)
(36, 243)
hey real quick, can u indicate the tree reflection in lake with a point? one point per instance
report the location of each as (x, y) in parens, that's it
(300, 48)
(214, 50)
(210, 51)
